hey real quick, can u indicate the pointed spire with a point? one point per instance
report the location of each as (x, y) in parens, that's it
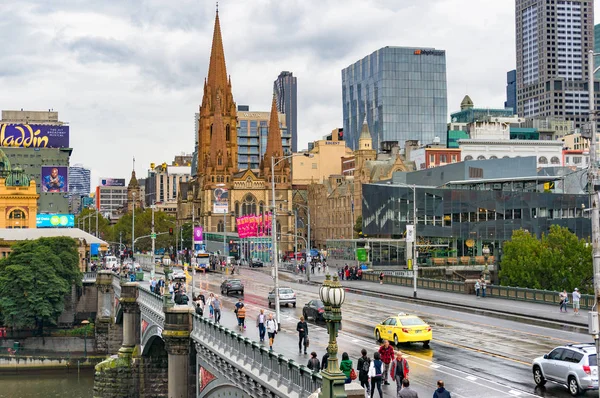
(365, 140)
(274, 145)
(217, 140)
(217, 71)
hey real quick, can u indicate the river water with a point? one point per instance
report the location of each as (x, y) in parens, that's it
(47, 384)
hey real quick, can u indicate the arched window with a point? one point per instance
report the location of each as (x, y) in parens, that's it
(227, 131)
(261, 207)
(505, 157)
(543, 160)
(237, 207)
(468, 157)
(480, 157)
(16, 215)
(220, 226)
(493, 157)
(249, 205)
(220, 161)
(211, 128)
(555, 160)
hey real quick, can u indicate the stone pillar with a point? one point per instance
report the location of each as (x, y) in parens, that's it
(128, 300)
(178, 326)
(104, 314)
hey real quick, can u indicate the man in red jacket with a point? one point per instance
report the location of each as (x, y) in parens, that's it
(387, 356)
(399, 371)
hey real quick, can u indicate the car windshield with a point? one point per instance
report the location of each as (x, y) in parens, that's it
(319, 304)
(593, 360)
(412, 322)
(286, 291)
(235, 282)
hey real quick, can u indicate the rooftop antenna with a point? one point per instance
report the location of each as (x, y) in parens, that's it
(217, 7)
(134, 163)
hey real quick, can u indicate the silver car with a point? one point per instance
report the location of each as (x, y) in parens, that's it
(573, 365)
(286, 296)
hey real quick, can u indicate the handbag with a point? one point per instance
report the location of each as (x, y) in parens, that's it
(352, 374)
(306, 341)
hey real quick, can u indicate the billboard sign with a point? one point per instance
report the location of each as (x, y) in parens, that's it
(198, 234)
(55, 221)
(34, 136)
(55, 179)
(112, 182)
(220, 201)
(361, 254)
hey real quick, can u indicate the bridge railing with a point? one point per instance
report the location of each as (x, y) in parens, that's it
(153, 303)
(288, 377)
(89, 277)
(116, 283)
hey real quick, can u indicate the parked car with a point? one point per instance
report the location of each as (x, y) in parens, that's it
(232, 285)
(314, 309)
(572, 365)
(286, 296)
(256, 263)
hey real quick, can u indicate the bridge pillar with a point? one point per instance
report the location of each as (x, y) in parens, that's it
(128, 300)
(176, 334)
(104, 315)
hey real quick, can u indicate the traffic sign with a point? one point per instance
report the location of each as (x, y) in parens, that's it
(153, 236)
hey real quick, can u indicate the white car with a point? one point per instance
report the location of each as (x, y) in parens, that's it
(286, 296)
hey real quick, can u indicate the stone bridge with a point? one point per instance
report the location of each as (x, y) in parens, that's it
(167, 350)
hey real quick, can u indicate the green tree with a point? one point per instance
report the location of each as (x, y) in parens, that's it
(358, 226)
(557, 261)
(87, 217)
(143, 227)
(34, 280)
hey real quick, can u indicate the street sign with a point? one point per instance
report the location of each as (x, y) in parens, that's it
(153, 236)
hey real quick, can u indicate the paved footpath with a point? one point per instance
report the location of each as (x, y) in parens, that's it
(524, 309)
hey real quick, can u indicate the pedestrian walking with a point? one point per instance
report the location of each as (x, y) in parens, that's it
(271, 326)
(399, 371)
(241, 317)
(376, 373)
(171, 290)
(216, 303)
(441, 392)
(313, 362)
(477, 287)
(211, 309)
(199, 309)
(364, 363)
(346, 366)
(564, 300)
(302, 329)
(381, 275)
(483, 287)
(406, 391)
(576, 297)
(260, 324)
(386, 352)
(324, 361)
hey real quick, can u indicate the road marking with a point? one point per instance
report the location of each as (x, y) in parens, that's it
(434, 366)
(515, 393)
(472, 378)
(355, 340)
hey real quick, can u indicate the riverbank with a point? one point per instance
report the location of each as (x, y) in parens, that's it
(15, 364)
(48, 383)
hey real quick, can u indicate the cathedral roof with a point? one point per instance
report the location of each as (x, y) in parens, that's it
(274, 145)
(4, 164)
(217, 139)
(365, 134)
(17, 178)
(133, 182)
(217, 71)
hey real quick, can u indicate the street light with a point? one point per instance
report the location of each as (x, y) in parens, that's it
(274, 231)
(332, 295)
(133, 230)
(414, 254)
(307, 239)
(85, 323)
(486, 271)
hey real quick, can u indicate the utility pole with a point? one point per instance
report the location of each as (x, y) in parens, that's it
(133, 228)
(414, 245)
(120, 239)
(308, 245)
(97, 223)
(295, 237)
(153, 237)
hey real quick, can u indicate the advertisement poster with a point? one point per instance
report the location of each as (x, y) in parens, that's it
(198, 234)
(112, 182)
(55, 179)
(220, 200)
(34, 136)
(55, 220)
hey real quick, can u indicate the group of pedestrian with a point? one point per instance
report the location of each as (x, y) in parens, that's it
(157, 286)
(353, 273)
(480, 287)
(564, 301)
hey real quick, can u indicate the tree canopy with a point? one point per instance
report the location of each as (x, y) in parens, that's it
(557, 261)
(34, 280)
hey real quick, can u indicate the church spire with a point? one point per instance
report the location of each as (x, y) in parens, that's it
(218, 146)
(274, 145)
(217, 71)
(365, 141)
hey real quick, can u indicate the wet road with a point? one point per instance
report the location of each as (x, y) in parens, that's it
(476, 356)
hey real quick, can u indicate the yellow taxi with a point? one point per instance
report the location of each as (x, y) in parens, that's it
(404, 328)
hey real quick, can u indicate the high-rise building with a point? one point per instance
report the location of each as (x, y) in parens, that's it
(511, 90)
(253, 131)
(164, 183)
(79, 180)
(111, 195)
(194, 161)
(553, 40)
(285, 91)
(597, 50)
(403, 93)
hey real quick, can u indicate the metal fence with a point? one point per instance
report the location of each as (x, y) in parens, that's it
(505, 292)
(281, 375)
(89, 277)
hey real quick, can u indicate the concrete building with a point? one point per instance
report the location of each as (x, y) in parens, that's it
(164, 183)
(18, 197)
(326, 160)
(511, 91)
(553, 40)
(431, 155)
(286, 93)
(597, 49)
(111, 196)
(576, 158)
(253, 132)
(401, 91)
(546, 152)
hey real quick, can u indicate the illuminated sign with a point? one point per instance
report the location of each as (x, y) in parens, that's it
(55, 221)
(430, 52)
(34, 136)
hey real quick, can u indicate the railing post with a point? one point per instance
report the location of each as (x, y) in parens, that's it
(105, 312)
(128, 300)
(176, 334)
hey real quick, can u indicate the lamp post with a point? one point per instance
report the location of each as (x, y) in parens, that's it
(486, 271)
(85, 322)
(274, 232)
(307, 239)
(153, 238)
(133, 229)
(332, 295)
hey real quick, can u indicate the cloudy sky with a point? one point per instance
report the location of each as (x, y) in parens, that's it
(127, 75)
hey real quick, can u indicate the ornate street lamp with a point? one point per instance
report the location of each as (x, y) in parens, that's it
(85, 324)
(332, 295)
(486, 255)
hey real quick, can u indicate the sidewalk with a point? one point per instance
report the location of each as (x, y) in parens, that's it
(519, 310)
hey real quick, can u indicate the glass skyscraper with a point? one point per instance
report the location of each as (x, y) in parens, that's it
(285, 90)
(402, 91)
(79, 180)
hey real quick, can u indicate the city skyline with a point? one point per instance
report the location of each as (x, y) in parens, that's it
(133, 76)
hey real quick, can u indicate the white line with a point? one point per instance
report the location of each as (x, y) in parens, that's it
(515, 393)
(472, 378)
(434, 366)
(355, 340)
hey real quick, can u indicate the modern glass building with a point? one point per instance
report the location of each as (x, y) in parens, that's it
(79, 180)
(511, 91)
(285, 90)
(401, 90)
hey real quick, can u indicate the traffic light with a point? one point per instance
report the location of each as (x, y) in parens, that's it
(170, 231)
(340, 135)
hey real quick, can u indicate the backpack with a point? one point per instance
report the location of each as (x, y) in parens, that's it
(377, 365)
(365, 365)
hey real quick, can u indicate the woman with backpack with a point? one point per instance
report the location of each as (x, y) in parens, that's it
(375, 373)
(364, 363)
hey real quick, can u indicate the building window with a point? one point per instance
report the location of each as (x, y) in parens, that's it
(480, 157)
(543, 160)
(16, 215)
(227, 133)
(555, 160)
(468, 157)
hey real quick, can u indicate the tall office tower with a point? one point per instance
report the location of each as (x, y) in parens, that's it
(511, 90)
(403, 93)
(597, 50)
(286, 98)
(553, 39)
(79, 180)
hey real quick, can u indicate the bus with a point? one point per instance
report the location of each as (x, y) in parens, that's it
(202, 261)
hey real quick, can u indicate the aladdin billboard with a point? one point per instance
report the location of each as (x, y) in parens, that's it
(34, 136)
(55, 221)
